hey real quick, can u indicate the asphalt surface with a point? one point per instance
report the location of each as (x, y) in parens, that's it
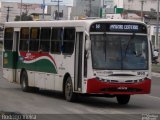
(51, 105)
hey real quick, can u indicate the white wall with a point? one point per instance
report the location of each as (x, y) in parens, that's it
(119, 3)
(136, 4)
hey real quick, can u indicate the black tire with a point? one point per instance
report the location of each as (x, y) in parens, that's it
(123, 99)
(70, 96)
(24, 82)
(34, 89)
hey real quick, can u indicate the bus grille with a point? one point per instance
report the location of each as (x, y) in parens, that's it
(121, 90)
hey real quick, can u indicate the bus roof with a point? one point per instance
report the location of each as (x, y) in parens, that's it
(65, 23)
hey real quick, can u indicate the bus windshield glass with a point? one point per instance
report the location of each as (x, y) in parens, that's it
(119, 52)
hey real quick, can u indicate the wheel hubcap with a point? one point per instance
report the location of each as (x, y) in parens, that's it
(23, 83)
(68, 89)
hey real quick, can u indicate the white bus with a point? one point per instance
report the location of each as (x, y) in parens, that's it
(109, 58)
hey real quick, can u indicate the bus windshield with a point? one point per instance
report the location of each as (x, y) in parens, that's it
(119, 52)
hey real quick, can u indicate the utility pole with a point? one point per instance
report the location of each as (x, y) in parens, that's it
(90, 8)
(43, 7)
(8, 10)
(26, 7)
(157, 26)
(58, 3)
(142, 3)
(21, 11)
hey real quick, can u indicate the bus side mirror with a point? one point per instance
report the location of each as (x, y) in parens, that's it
(88, 45)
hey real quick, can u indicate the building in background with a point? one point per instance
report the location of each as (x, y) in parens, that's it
(11, 9)
(107, 9)
(119, 6)
(109, 6)
(64, 12)
(136, 5)
(86, 8)
(132, 7)
(149, 15)
(113, 9)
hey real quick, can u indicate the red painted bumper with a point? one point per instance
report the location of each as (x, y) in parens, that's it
(95, 86)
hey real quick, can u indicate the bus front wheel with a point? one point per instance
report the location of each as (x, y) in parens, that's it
(24, 81)
(69, 94)
(123, 99)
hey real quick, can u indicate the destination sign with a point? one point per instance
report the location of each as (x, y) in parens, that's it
(124, 27)
(118, 27)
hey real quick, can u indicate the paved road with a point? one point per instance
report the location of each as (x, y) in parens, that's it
(12, 99)
(0, 59)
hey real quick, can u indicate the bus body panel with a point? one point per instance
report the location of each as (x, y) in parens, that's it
(50, 81)
(18, 76)
(40, 80)
(31, 78)
(58, 82)
(9, 65)
(8, 74)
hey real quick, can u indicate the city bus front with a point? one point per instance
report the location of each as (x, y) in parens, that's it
(120, 60)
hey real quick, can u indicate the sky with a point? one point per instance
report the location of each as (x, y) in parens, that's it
(48, 2)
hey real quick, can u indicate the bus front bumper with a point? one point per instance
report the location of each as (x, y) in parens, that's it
(95, 86)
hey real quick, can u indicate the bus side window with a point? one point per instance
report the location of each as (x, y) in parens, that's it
(24, 39)
(45, 39)
(8, 39)
(56, 40)
(68, 41)
(34, 39)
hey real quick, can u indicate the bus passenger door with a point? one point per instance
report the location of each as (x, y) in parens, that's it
(78, 62)
(15, 52)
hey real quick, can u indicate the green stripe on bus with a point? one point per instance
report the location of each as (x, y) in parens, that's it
(12, 61)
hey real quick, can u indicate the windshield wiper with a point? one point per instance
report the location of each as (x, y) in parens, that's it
(132, 37)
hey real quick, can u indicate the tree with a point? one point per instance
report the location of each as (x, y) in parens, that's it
(24, 17)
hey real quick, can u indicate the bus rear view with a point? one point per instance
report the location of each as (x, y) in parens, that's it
(120, 60)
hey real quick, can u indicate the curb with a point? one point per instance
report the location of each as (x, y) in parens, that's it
(155, 74)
